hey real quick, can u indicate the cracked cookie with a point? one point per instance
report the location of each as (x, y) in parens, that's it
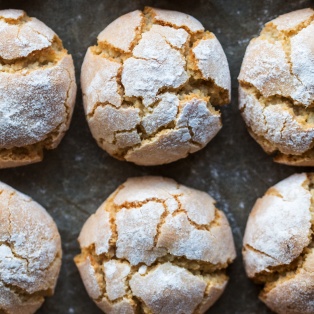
(276, 93)
(37, 89)
(152, 85)
(30, 253)
(278, 247)
(155, 246)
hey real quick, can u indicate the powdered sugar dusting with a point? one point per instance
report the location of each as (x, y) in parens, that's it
(31, 105)
(302, 58)
(204, 123)
(163, 113)
(19, 41)
(291, 20)
(155, 65)
(183, 239)
(122, 31)
(213, 62)
(178, 19)
(169, 289)
(142, 224)
(175, 37)
(30, 258)
(96, 231)
(11, 14)
(115, 276)
(277, 123)
(99, 86)
(279, 226)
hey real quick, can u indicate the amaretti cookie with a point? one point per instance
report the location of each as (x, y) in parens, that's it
(30, 253)
(277, 88)
(155, 246)
(278, 247)
(152, 86)
(37, 89)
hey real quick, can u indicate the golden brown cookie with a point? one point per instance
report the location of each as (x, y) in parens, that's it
(30, 253)
(37, 89)
(155, 246)
(151, 86)
(276, 93)
(278, 247)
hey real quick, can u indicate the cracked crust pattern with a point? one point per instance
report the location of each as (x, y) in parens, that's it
(37, 89)
(155, 246)
(278, 248)
(30, 253)
(276, 93)
(165, 70)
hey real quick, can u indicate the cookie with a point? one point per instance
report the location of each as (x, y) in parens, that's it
(37, 89)
(30, 253)
(155, 246)
(152, 85)
(278, 247)
(276, 93)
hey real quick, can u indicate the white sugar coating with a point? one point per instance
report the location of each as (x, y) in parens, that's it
(212, 62)
(11, 14)
(279, 226)
(97, 231)
(302, 57)
(213, 293)
(291, 20)
(183, 239)
(141, 223)
(99, 85)
(12, 304)
(140, 190)
(30, 250)
(175, 37)
(294, 294)
(19, 41)
(266, 67)
(168, 146)
(122, 32)
(37, 89)
(205, 124)
(123, 306)
(88, 274)
(200, 206)
(32, 105)
(144, 60)
(163, 113)
(178, 19)
(277, 88)
(127, 139)
(155, 65)
(115, 277)
(142, 270)
(277, 123)
(107, 120)
(165, 233)
(169, 289)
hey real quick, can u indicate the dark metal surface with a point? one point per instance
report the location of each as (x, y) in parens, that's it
(74, 179)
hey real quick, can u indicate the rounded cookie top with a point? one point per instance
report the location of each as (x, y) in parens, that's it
(30, 253)
(277, 86)
(37, 88)
(278, 245)
(151, 84)
(147, 239)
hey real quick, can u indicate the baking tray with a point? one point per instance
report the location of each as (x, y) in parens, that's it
(77, 177)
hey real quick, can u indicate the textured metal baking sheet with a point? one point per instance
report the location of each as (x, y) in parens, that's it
(75, 179)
